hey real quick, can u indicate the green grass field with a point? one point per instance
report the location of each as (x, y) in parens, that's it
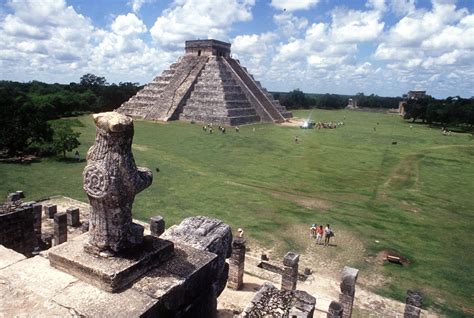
(415, 197)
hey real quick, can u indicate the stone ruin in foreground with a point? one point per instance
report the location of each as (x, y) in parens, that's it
(206, 85)
(114, 268)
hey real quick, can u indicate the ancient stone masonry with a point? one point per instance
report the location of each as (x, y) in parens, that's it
(348, 283)
(111, 181)
(206, 85)
(414, 302)
(289, 277)
(17, 229)
(271, 302)
(335, 310)
(237, 264)
(73, 217)
(206, 234)
(60, 228)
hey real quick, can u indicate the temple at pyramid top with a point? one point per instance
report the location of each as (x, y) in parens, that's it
(206, 85)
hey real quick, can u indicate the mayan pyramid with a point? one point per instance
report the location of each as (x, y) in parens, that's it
(206, 85)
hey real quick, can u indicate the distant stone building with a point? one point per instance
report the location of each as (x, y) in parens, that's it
(206, 85)
(410, 95)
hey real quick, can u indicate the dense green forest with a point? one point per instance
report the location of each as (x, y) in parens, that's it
(26, 111)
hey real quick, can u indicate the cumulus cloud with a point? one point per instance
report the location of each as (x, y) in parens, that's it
(128, 24)
(402, 7)
(356, 26)
(292, 5)
(289, 25)
(192, 19)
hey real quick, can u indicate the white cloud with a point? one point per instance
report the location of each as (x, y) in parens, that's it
(293, 5)
(378, 5)
(128, 25)
(191, 19)
(356, 26)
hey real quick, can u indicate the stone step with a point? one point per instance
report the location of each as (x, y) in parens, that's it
(215, 103)
(217, 87)
(200, 94)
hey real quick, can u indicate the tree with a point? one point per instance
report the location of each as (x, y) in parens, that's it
(91, 80)
(65, 139)
(21, 123)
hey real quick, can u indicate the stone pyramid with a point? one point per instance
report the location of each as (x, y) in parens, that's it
(206, 85)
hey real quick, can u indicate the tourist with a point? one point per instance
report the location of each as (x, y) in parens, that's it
(312, 230)
(237, 129)
(319, 234)
(328, 233)
(296, 140)
(223, 130)
(204, 128)
(77, 156)
(240, 233)
(210, 130)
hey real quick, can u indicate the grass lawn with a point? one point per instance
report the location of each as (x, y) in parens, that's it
(415, 197)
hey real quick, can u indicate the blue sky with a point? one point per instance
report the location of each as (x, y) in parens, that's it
(385, 47)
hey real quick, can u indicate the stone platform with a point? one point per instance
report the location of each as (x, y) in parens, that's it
(30, 287)
(110, 273)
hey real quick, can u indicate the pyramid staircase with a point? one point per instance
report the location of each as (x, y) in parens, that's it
(217, 98)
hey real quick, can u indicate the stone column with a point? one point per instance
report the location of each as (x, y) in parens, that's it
(414, 302)
(335, 310)
(50, 210)
(289, 277)
(157, 225)
(73, 217)
(346, 298)
(37, 213)
(237, 264)
(60, 228)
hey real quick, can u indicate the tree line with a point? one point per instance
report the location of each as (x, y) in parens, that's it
(27, 111)
(297, 99)
(453, 112)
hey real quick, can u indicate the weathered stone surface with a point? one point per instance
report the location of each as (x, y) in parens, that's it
(348, 283)
(111, 181)
(17, 230)
(335, 310)
(237, 264)
(291, 259)
(50, 210)
(271, 302)
(9, 257)
(207, 234)
(157, 225)
(348, 280)
(60, 228)
(110, 273)
(289, 277)
(73, 217)
(414, 302)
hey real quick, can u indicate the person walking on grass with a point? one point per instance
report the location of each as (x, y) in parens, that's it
(328, 233)
(312, 230)
(319, 234)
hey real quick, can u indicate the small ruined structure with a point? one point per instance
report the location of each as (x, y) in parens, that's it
(237, 264)
(271, 302)
(206, 85)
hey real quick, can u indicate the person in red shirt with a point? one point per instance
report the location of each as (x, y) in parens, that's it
(319, 234)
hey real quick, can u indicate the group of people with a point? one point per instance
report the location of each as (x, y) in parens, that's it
(330, 125)
(446, 132)
(318, 232)
(209, 128)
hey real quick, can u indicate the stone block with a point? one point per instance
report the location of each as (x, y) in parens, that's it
(73, 217)
(9, 257)
(110, 273)
(348, 280)
(20, 194)
(291, 259)
(335, 310)
(50, 210)
(60, 228)
(12, 197)
(37, 213)
(157, 225)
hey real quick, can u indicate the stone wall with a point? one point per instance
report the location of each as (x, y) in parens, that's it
(17, 230)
